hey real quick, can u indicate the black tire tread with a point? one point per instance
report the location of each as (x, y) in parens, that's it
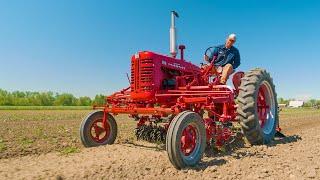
(246, 104)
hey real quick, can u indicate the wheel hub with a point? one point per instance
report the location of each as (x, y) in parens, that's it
(188, 140)
(266, 107)
(263, 106)
(98, 132)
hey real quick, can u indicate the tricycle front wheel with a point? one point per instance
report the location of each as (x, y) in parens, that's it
(186, 140)
(93, 132)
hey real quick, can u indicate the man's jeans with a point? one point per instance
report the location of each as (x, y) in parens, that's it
(227, 70)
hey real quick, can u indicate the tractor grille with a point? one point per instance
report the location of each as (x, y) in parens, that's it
(141, 75)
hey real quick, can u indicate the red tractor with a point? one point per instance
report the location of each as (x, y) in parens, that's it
(168, 97)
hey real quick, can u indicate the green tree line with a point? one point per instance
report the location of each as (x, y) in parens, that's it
(28, 98)
(309, 103)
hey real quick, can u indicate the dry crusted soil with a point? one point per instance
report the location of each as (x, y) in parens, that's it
(295, 157)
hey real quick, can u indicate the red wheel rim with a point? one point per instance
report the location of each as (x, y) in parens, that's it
(98, 132)
(188, 140)
(263, 105)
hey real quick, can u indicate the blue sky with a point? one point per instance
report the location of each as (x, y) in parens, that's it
(84, 47)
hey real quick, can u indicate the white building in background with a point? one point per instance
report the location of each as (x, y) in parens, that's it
(296, 104)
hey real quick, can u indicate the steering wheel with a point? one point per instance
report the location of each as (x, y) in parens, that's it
(208, 52)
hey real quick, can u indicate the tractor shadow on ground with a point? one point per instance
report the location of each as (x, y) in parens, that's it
(218, 157)
(145, 145)
(285, 140)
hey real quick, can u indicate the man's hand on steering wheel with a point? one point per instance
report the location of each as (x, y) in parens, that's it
(207, 55)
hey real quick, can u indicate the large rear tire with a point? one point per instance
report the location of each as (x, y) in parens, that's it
(94, 133)
(186, 140)
(257, 107)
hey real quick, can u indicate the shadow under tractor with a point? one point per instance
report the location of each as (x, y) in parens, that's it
(168, 97)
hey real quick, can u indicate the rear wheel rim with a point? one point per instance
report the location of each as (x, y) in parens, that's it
(190, 141)
(98, 132)
(266, 107)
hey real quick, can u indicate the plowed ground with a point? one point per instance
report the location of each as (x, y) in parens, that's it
(45, 145)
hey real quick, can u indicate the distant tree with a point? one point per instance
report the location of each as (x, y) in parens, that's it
(99, 100)
(307, 104)
(313, 102)
(65, 99)
(29, 98)
(283, 101)
(84, 101)
(9, 100)
(18, 94)
(34, 98)
(3, 95)
(6, 98)
(46, 98)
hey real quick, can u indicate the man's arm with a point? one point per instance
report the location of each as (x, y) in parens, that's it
(236, 60)
(214, 54)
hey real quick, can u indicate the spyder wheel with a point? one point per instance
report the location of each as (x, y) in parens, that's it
(94, 133)
(186, 140)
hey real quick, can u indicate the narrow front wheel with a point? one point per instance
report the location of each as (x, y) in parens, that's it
(93, 132)
(186, 139)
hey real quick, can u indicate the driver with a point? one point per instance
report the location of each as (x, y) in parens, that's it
(226, 56)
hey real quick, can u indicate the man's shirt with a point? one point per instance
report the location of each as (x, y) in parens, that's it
(222, 56)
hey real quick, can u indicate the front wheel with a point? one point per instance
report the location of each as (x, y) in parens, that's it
(186, 140)
(94, 133)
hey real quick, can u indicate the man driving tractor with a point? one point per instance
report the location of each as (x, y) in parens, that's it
(226, 56)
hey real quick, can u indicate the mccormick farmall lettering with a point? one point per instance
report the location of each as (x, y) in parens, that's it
(174, 65)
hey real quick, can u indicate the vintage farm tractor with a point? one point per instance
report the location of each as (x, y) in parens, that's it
(168, 97)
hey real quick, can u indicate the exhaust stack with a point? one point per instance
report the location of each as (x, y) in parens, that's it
(173, 36)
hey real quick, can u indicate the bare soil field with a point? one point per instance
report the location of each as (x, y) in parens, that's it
(44, 144)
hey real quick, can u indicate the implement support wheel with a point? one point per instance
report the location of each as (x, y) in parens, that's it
(257, 107)
(186, 139)
(94, 133)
